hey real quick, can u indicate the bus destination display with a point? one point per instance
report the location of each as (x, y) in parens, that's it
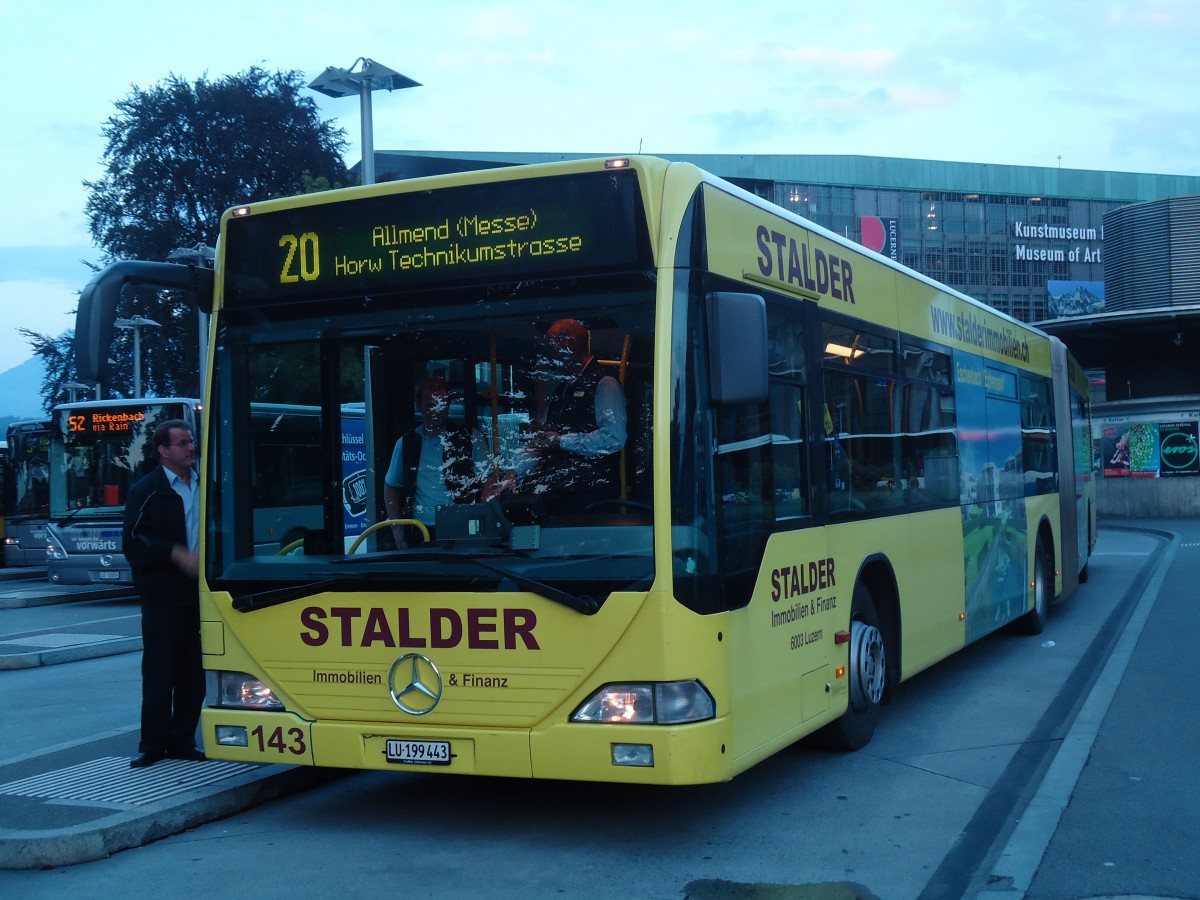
(576, 223)
(82, 422)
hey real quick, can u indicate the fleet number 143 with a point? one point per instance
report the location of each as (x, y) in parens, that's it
(291, 741)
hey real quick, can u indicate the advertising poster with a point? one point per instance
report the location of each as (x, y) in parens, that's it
(881, 235)
(1130, 450)
(1114, 451)
(1178, 449)
(354, 476)
(1075, 298)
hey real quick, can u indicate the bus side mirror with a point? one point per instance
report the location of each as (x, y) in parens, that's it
(737, 348)
(97, 310)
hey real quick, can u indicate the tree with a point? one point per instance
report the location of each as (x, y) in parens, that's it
(55, 353)
(177, 156)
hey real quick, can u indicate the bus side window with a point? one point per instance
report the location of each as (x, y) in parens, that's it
(1038, 435)
(863, 442)
(788, 451)
(929, 446)
(788, 372)
(745, 489)
(930, 449)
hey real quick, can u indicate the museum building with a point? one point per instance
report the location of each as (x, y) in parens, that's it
(1107, 261)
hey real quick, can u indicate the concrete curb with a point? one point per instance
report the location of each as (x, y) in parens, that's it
(49, 595)
(28, 849)
(91, 650)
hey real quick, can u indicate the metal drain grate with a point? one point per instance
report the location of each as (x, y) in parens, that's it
(110, 780)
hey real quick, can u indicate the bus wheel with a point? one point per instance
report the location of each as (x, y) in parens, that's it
(1043, 584)
(868, 677)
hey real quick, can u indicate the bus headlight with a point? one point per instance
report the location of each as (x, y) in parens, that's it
(237, 690)
(648, 703)
(54, 548)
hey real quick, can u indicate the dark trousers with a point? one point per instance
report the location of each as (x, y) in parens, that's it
(172, 678)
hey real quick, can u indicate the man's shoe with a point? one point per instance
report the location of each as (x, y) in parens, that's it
(191, 755)
(149, 758)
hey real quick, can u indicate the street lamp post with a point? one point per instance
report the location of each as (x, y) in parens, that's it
(136, 324)
(74, 387)
(335, 82)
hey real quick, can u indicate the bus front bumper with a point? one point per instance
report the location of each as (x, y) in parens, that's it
(640, 754)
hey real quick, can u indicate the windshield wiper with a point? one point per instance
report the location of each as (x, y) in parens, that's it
(63, 520)
(582, 603)
(276, 596)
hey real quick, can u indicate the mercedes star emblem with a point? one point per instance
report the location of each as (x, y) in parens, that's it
(415, 684)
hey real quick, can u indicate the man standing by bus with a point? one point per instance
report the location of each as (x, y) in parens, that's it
(161, 541)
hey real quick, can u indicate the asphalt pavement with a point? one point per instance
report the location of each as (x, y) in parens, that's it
(1132, 740)
(1118, 811)
(23, 588)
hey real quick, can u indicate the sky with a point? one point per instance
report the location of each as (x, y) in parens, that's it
(1102, 85)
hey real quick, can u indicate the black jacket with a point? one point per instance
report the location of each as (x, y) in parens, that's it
(154, 524)
(573, 411)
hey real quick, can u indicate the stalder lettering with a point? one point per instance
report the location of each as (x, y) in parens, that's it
(792, 262)
(482, 629)
(792, 581)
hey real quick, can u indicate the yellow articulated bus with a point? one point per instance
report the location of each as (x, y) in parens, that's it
(660, 478)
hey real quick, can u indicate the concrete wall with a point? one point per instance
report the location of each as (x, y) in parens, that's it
(1148, 496)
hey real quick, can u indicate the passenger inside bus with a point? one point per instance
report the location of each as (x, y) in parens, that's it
(437, 463)
(579, 421)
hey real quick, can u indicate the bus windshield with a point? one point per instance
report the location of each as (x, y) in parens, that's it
(465, 436)
(27, 483)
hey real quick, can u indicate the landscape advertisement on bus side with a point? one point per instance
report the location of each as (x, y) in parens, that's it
(995, 523)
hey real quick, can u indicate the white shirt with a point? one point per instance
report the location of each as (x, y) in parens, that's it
(430, 491)
(190, 494)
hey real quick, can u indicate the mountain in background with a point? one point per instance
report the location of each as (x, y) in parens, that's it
(20, 393)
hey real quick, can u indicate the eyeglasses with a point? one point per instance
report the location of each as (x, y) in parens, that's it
(184, 444)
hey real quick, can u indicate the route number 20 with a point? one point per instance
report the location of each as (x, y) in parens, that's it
(303, 258)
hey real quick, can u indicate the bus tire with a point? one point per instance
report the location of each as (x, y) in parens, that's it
(868, 677)
(1043, 586)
